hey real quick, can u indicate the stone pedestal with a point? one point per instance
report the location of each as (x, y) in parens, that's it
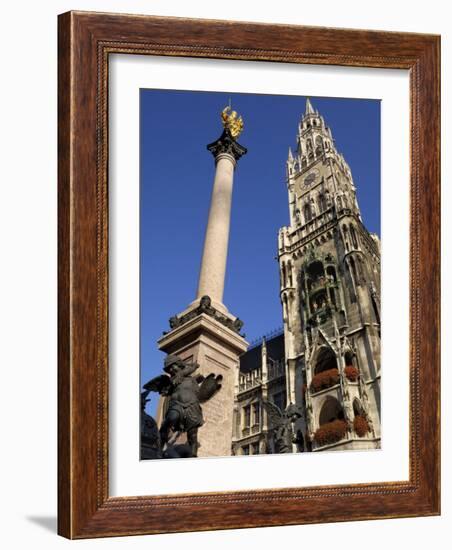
(216, 348)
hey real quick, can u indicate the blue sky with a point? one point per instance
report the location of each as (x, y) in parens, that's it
(176, 176)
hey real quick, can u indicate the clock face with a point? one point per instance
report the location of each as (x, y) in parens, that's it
(310, 178)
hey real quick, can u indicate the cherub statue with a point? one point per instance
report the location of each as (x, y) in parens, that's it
(185, 393)
(282, 425)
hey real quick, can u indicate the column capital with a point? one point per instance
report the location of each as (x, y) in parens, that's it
(226, 144)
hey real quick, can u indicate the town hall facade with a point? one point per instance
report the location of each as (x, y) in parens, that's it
(327, 359)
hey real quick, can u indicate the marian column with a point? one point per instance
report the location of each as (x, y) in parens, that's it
(226, 152)
(206, 332)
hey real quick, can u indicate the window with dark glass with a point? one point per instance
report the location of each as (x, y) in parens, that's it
(256, 414)
(246, 416)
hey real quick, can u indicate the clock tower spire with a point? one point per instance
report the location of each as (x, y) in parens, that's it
(330, 288)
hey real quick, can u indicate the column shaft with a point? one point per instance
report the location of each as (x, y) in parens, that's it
(213, 265)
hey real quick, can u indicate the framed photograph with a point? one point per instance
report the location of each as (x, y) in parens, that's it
(248, 275)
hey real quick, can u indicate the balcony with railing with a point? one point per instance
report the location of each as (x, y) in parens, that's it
(317, 222)
(250, 380)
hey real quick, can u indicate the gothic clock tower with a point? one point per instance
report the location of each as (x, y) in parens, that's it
(330, 295)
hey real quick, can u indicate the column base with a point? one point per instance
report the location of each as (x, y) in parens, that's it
(207, 340)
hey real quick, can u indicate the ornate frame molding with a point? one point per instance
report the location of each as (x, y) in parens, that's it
(85, 42)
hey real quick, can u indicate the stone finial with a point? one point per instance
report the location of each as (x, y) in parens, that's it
(309, 108)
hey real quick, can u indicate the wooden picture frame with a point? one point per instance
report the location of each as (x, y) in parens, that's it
(86, 40)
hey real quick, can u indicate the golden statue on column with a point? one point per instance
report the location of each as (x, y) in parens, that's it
(232, 121)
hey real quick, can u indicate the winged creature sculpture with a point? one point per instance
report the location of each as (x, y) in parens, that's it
(281, 423)
(185, 395)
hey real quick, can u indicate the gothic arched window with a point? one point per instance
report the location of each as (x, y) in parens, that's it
(331, 410)
(322, 202)
(347, 245)
(353, 234)
(326, 360)
(333, 297)
(283, 275)
(350, 284)
(307, 213)
(354, 273)
(309, 148)
(331, 272)
(361, 270)
(302, 279)
(348, 356)
(318, 145)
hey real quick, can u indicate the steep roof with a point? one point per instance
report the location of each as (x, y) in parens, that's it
(251, 359)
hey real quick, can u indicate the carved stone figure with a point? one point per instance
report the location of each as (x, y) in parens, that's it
(206, 307)
(281, 423)
(174, 322)
(205, 304)
(185, 394)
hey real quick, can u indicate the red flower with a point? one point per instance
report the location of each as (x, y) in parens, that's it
(361, 426)
(351, 373)
(331, 432)
(325, 379)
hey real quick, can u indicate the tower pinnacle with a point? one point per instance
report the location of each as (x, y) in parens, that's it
(309, 108)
